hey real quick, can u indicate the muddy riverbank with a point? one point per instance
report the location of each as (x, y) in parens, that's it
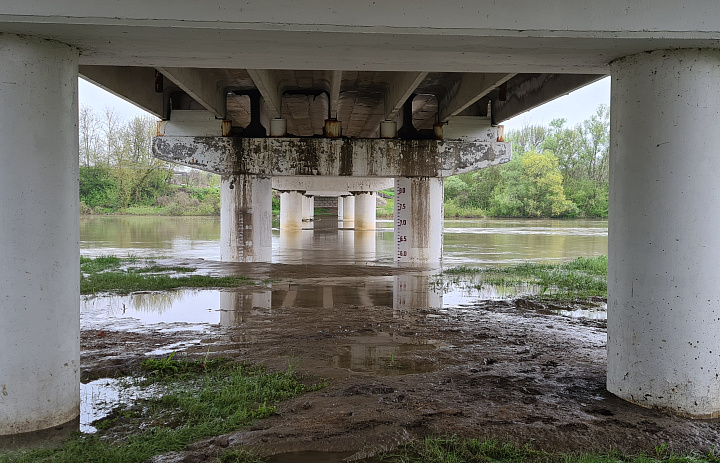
(398, 372)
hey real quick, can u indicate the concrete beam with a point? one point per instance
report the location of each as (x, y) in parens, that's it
(332, 184)
(201, 85)
(136, 85)
(331, 157)
(268, 84)
(470, 88)
(191, 123)
(335, 84)
(399, 90)
(524, 95)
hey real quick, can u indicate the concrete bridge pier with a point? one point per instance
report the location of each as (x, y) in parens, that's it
(308, 208)
(340, 209)
(365, 210)
(246, 218)
(40, 284)
(291, 210)
(348, 216)
(663, 291)
(419, 220)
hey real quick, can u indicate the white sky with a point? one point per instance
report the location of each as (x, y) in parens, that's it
(575, 107)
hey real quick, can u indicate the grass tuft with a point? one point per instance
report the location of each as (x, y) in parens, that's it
(198, 399)
(104, 274)
(581, 278)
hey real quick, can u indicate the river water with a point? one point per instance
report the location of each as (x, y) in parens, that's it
(470, 242)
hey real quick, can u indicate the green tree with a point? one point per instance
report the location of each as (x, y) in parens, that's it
(544, 195)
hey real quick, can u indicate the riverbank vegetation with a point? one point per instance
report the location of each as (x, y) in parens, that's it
(191, 400)
(582, 278)
(126, 275)
(555, 171)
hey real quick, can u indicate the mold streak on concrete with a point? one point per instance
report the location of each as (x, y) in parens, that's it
(338, 157)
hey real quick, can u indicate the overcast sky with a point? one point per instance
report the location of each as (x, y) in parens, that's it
(575, 107)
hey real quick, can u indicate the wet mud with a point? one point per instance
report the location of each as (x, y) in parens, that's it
(399, 364)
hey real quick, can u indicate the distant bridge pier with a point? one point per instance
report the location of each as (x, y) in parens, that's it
(663, 291)
(39, 207)
(308, 208)
(365, 210)
(348, 215)
(291, 210)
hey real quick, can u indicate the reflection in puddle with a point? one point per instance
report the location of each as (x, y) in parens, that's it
(593, 313)
(98, 398)
(381, 354)
(149, 308)
(194, 309)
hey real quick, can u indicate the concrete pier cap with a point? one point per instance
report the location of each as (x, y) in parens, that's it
(663, 293)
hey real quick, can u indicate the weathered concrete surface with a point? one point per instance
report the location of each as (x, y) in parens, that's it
(419, 215)
(332, 157)
(291, 210)
(663, 291)
(39, 207)
(467, 36)
(365, 210)
(246, 219)
(334, 184)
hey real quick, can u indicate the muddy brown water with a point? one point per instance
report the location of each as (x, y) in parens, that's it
(404, 356)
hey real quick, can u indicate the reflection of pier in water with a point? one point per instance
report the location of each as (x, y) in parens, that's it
(401, 293)
(325, 242)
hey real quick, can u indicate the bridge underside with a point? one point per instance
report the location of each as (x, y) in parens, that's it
(347, 69)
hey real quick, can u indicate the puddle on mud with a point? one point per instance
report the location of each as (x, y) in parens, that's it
(98, 398)
(194, 309)
(383, 354)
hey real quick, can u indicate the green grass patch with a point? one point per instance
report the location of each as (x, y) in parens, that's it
(386, 211)
(457, 450)
(198, 399)
(581, 278)
(453, 211)
(106, 274)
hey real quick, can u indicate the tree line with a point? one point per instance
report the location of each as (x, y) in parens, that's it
(555, 171)
(119, 174)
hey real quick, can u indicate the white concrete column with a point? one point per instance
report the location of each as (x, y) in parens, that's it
(291, 210)
(246, 219)
(663, 285)
(340, 208)
(348, 210)
(308, 208)
(419, 203)
(365, 210)
(39, 250)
